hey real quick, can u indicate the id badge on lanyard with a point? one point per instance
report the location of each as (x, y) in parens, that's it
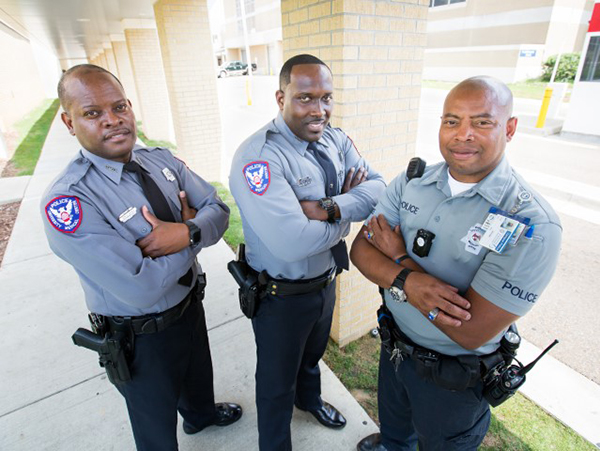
(502, 228)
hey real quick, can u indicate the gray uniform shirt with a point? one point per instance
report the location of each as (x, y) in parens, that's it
(513, 280)
(271, 172)
(92, 218)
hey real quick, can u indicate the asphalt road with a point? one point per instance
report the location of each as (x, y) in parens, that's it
(565, 172)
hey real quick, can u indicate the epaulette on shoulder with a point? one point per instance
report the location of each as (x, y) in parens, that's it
(75, 171)
(150, 149)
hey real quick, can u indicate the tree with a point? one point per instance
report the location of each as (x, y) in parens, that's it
(567, 67)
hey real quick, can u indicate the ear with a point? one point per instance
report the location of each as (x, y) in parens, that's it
(68, 122)
(511, 128)
(279, 97)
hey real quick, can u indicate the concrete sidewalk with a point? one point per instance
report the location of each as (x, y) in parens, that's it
(54, 394)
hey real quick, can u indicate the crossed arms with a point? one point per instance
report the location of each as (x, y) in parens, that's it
(469, 320)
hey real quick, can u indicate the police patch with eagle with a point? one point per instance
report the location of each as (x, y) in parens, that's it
(64, 213)
(258, 176)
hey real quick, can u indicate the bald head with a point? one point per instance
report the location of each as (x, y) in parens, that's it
(476, 125)
(78, 72)
(494, 90)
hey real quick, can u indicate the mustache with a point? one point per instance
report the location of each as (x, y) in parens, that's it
(120, 131)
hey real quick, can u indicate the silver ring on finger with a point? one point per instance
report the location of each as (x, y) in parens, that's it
(370, 235)
(432, 315)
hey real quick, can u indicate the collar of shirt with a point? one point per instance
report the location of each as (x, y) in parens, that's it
(299, 145)
(111, 169)
(492, 187)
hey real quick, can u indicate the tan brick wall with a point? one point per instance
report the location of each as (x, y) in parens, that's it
(126, 74)
(375, 50)
(187, 53)
(144, 54)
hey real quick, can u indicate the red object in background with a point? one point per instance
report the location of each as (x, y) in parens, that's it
(595, 22)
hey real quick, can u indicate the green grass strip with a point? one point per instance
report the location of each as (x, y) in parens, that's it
(28, 152)
(234, 234)
(152, 142)
(517, 425)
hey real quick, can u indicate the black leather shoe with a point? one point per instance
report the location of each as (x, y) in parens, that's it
(371, 443)
(328, 416)
(226, 414)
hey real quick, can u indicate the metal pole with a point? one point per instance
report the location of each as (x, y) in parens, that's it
(544, 109)
(555, 67)
(248, 58)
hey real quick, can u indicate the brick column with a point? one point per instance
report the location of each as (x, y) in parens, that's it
(101, 60)
(187, 53)
(146, 62)
(109, 55)
(125, 72)
(375, 50)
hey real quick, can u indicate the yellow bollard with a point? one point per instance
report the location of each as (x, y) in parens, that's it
(544, 109)
(248, 96)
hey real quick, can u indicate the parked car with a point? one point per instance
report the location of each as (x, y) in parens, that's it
(234, 68)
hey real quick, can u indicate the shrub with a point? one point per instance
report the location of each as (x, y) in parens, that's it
(567, 67)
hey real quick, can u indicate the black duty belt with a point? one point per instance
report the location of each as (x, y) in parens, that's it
(157, 322)
(286, 287)
(450, 372)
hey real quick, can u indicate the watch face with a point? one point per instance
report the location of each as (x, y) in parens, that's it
(326, 203)
(196, 237)
(397, 294)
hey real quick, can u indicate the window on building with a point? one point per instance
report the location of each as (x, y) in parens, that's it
(250, 21)
(434, 3)
(591, 64)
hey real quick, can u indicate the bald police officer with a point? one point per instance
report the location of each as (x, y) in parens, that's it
(131, 220)
(299, 184)
(453, 285)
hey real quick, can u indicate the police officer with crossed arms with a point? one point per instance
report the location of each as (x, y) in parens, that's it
(299, 183)
(131, 220)
(462, 251)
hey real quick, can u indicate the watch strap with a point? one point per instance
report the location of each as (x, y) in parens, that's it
(194, 233)
(328, 204)
(401, 278)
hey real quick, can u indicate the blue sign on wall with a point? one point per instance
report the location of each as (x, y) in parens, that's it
(527, 53)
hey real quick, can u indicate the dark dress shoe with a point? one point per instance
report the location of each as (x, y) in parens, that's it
(371, 443)
(328, 416)
(226, 414)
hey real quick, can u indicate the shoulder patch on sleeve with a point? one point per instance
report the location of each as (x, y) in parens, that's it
(355, 148)
(179, 159)
(258, 176)
(64, 213)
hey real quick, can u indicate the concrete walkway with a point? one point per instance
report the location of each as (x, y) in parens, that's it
(55, 396)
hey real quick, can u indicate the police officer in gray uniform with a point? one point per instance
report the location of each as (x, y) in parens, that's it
(453, 279)
(299, 183)
(138, 271)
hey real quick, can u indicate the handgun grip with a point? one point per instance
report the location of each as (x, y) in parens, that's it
(237, 270)
(87, 339)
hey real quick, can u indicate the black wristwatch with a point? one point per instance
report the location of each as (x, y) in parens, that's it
(397, 289)
(328, 204)
(195, 233)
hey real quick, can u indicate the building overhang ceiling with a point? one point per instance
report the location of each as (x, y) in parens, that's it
(72, 29)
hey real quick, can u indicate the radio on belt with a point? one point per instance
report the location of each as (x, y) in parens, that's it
(422, 242)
